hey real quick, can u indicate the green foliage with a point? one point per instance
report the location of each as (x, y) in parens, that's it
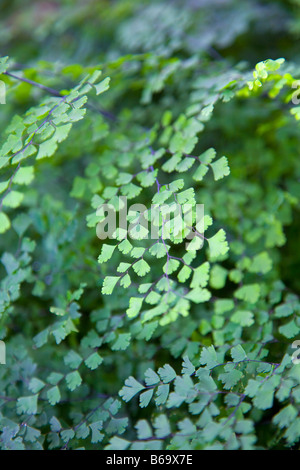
(134, 343)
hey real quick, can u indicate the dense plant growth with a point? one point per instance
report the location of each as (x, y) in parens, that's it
(133, 343)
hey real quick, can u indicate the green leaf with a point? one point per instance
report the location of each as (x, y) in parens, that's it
(161, 426)
(147, 178)
(184, 273)
(93, 361)
(208, 156)
(292, 434)
(13, 199)
(102, 86)
(106, 253)
(158, 250)
(109, 284)
(116, 443)
(249, 293)
(289, 330)
(223, 305)
(3, 64)
(73, 380)
(201, 276)
(4, 222)
(97, 436)
(141, 268)
(243, 318)
(151, 377)
(238, 354)
(130, 389)
(218, 246)
(125, 281)
(200, 172)
(25, 175)
(220, 168)
(143, 429)
(36, 385)
(286, 416)
(145, 398)
(162, 394)
(122, 342)
(123, 178)
(230, 378)
(27, 405)
(187, 366)
(53, 395)
(10, 263)
(218, 277)
(73, 360)
(261, 263)
(167, 373)
(284, 310)
(67, 435)
(55, 424)
(186, 427)
(47, 148)
(209, 357)
(135, 305)
(198, 295)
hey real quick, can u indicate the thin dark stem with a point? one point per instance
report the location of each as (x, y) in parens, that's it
(52, 91)
(36, 84)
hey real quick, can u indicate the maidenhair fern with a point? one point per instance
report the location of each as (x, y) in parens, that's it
(179, 330)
